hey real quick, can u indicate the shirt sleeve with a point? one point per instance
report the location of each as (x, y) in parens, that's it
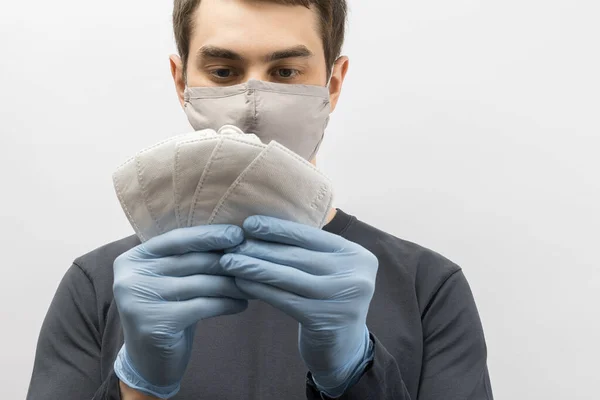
(455, 353)
(381, 380)
(67, 361)
(454, 356)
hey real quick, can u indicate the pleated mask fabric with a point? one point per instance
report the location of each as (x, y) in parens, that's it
(155, 167)
(279, 184)
(209, 177)
(131, 194)
(294, 115)
(191, 158)
(229, 159)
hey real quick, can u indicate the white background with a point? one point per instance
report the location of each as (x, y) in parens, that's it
(470, 127)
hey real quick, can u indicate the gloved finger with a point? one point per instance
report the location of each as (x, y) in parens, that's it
(277, 275)
(280, 231)
(312, 262)
(190, 287)
(295, 306)
(189, 264)
(185, 313)
(193, 239)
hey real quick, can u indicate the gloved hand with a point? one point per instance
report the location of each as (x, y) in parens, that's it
(323, 281)
(162, 289)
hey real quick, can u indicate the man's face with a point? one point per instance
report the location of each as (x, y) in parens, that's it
(238, 40)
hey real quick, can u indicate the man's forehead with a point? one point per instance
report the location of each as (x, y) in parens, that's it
(255, 26)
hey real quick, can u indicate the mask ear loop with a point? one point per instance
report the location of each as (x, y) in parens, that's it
(330, 76)
(332, 71)
(316, 150)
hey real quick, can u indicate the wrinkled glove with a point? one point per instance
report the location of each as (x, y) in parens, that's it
(162, 289)
(323, 281)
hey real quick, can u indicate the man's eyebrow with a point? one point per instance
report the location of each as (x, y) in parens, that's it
(292, 52)
(218, 52)
(299, 51)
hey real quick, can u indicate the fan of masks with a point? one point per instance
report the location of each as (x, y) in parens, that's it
(208, 177)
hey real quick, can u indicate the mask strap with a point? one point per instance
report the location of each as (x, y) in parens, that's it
(330, 76)
(332, 71)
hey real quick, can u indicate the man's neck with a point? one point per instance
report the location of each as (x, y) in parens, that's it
(331, 215)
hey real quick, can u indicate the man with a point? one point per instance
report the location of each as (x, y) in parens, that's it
(345, 312)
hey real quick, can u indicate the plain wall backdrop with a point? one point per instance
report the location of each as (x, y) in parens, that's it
(470, 127)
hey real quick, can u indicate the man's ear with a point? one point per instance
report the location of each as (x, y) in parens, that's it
(340, 68)
(178, 79)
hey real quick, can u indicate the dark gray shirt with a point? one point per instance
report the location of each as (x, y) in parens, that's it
(429, 343)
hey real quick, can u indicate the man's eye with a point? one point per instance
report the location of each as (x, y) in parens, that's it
(222, 73)
(286, 73)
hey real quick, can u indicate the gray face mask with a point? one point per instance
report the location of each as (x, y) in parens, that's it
(293, 115)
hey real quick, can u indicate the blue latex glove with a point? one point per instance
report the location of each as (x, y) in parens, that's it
(323, 281)
(162, 289)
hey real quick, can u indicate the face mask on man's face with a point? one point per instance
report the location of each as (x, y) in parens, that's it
(293, 115)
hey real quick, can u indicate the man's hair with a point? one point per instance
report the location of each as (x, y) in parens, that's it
(333, 15)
